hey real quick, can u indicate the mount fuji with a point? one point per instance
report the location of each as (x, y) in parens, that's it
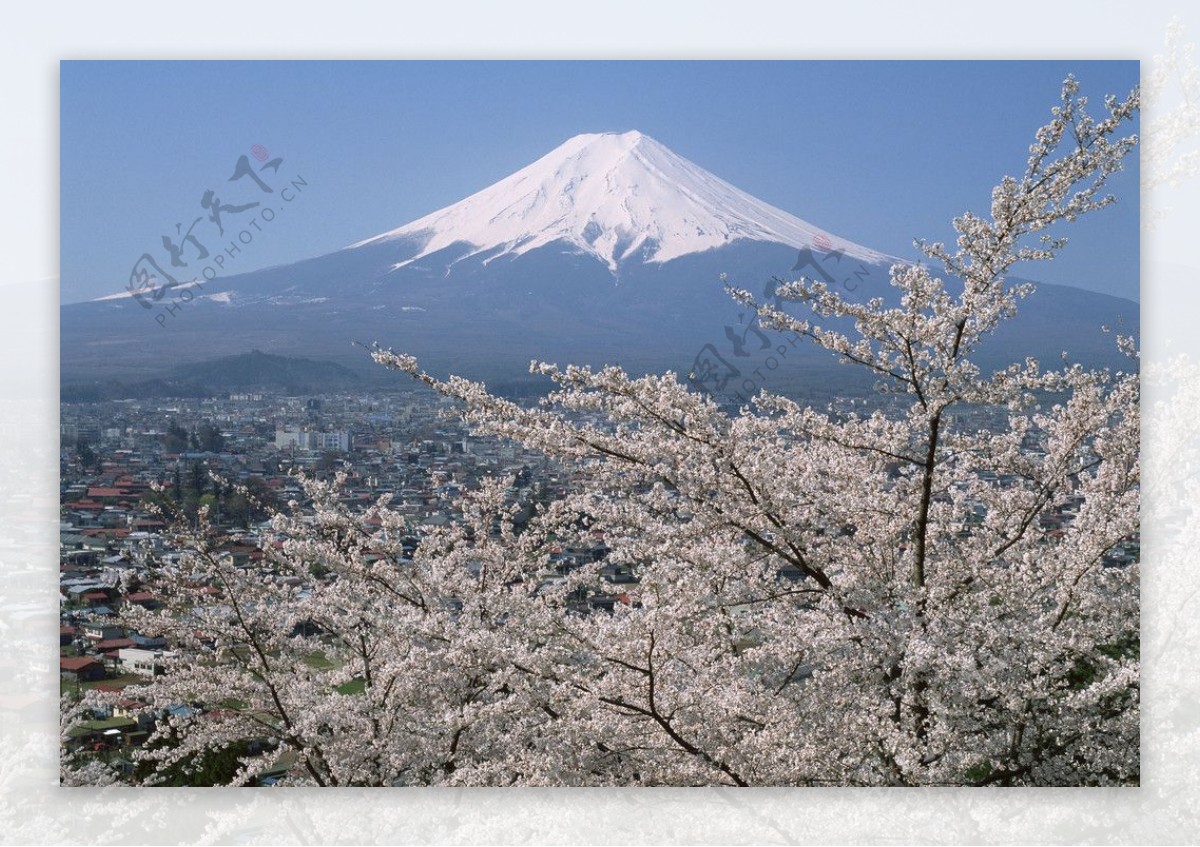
(616, 197)
(610, 248)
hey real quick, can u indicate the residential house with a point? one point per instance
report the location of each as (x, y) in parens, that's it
(81, 668)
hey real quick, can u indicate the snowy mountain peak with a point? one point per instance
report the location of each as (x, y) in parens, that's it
(615, 196)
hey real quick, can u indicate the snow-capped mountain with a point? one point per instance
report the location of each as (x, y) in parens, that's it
(610, 248)
(614, 196)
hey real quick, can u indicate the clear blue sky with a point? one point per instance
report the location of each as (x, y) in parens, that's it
(877, 152)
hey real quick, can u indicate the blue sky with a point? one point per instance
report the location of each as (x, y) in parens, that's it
(877, 152)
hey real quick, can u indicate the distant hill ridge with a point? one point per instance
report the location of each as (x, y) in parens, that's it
(253, 371)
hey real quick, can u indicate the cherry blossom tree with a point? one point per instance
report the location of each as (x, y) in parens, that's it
(341, 655)
(779, 595)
